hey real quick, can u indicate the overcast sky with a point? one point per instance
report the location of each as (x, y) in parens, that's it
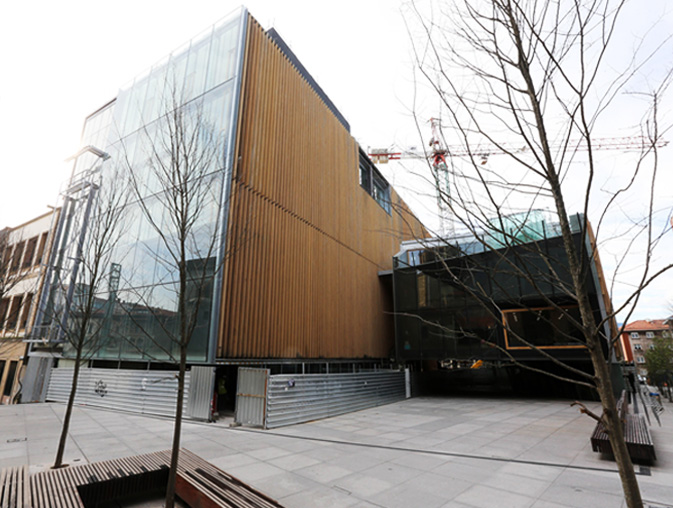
(62, 60)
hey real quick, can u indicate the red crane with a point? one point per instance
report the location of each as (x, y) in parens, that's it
(439, 151)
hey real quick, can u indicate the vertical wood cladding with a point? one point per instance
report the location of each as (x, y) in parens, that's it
(306, 241)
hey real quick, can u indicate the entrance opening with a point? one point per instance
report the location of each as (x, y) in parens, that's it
(226, 377)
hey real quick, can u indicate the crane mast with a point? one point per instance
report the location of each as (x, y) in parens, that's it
(440, 171)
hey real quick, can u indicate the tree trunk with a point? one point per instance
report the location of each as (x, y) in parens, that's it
(58, 462)
(600, 363)
(175, 450)
(615, 430)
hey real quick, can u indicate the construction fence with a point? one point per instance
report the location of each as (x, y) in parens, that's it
(267, 401)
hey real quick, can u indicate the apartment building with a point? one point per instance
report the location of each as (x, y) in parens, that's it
(23, 251)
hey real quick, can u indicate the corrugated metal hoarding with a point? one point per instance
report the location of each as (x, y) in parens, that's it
(295, 399)
(251, 396)
(138, 391)
(200, 393)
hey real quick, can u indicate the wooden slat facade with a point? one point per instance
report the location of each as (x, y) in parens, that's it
(306, 242)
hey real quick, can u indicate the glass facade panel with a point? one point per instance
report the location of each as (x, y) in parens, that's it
(452, 305)
(197, 67)
(154, 100)
(543, 327)
(176, 69)
(133, 119)
(139, 320)
(96, 132)
(120, 109)
(223, 54)
(437, 320)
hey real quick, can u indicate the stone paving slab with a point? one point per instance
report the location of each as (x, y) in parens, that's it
(446, 452)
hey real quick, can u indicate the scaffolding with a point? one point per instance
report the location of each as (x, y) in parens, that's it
(62, 265)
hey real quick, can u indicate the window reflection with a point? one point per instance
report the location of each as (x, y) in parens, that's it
(139, 320)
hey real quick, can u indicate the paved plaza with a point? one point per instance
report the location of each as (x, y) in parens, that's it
(457, 452)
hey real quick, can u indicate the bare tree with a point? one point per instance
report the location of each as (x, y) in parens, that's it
(530, 80)
(177, 184)
(82, 285)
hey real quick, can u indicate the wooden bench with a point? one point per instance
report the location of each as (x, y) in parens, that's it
(638, 438)
(14, 488)
(636, 434)
(199, 483)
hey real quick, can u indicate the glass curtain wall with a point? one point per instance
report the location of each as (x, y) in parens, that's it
(436, 320)
(193, 90)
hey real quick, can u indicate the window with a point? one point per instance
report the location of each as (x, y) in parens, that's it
(31, 246)
(13, 317)
(16, 257)
(641, 359)
(651, 347)
(25, 311)
(415, 257)
(9, 382)
(638, 347)
(543, 327)
(422, 288)
(373, 182)
(365, 180)
(40, 250)
(4, 305)
(635, 335)
(665, 334)
(381, 191)
(649, 335)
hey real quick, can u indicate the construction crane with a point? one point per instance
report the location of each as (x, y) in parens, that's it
(439, 151)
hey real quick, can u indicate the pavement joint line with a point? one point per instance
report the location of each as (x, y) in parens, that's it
(371, 445)
(433, 452)
(69, 436)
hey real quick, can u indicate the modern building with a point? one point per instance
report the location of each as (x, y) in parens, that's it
(23, 250)
(302, 220)
(639, 336)
(469, 308)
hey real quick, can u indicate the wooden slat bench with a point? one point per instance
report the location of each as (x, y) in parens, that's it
(638, 438)
(198, 479)
(636, 434)
(199, 483)
(14, 487)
